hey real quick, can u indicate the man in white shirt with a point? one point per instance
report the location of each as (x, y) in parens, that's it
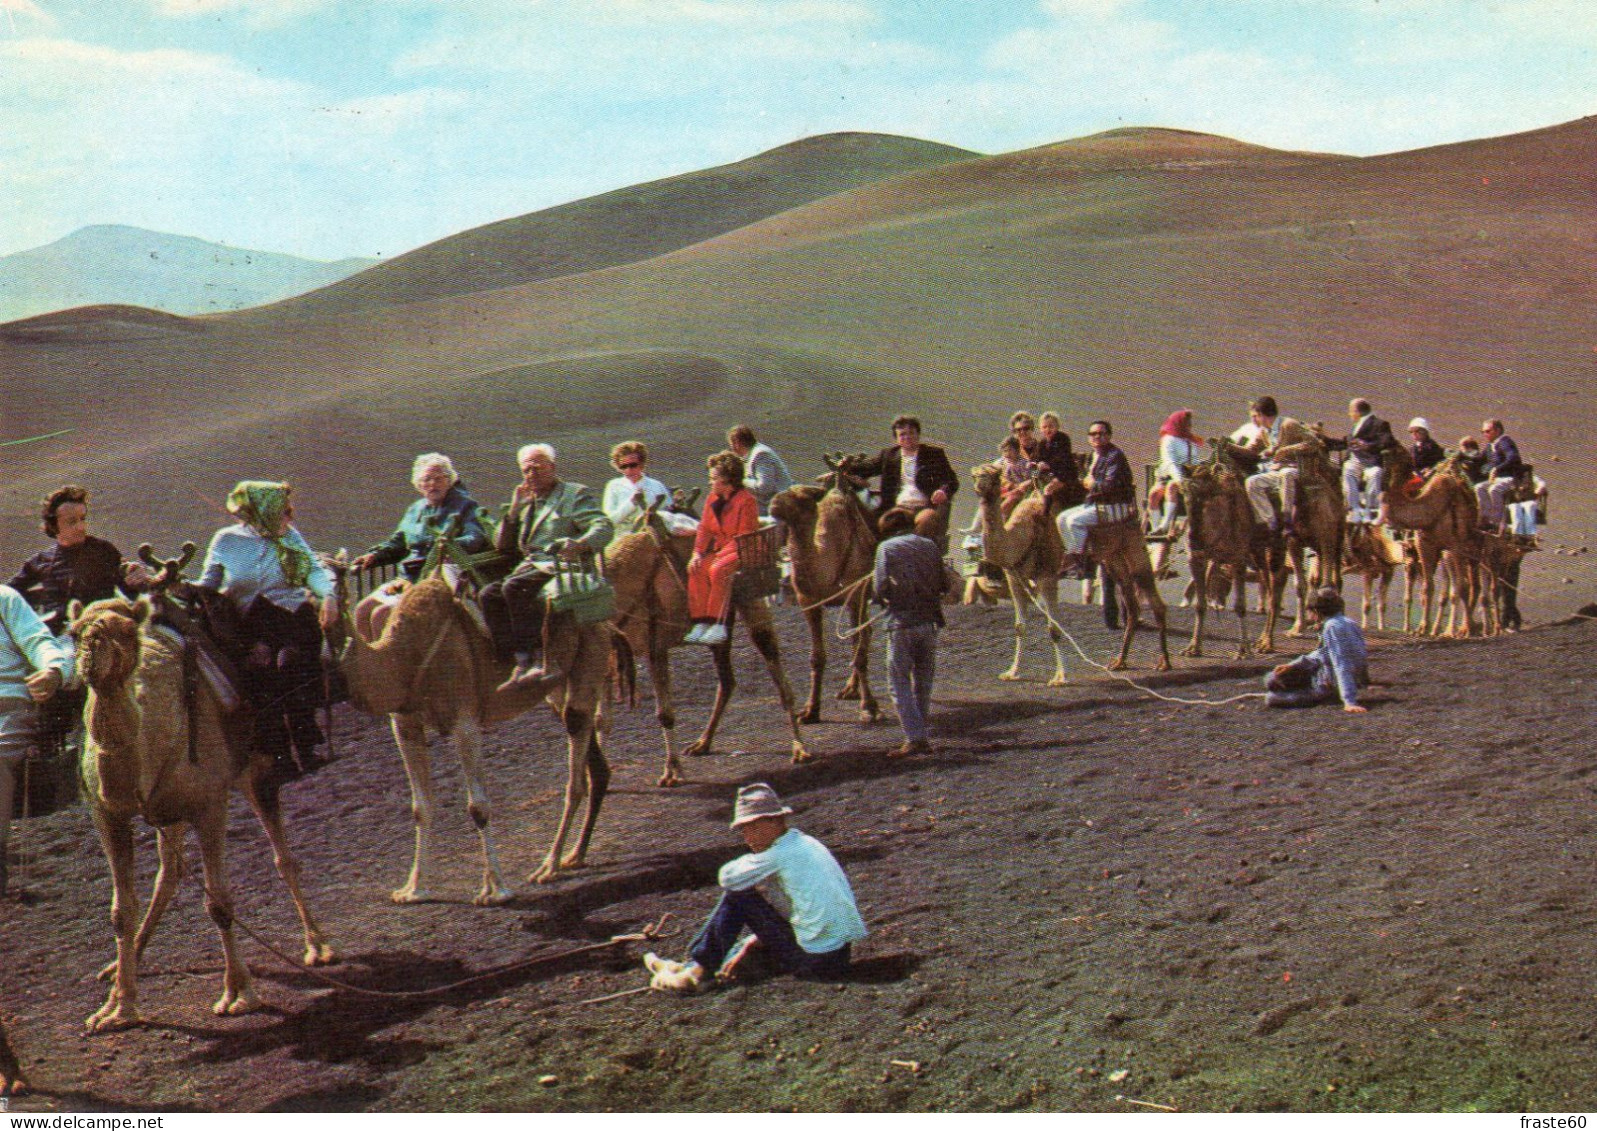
(813, 941)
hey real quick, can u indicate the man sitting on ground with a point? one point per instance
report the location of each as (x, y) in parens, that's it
(548, 517)
(1331, 673)
(815, 939)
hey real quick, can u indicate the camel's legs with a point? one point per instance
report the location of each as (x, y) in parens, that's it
(1131, 612)
(1017, 597)
(859, 679)
(665, 709)
(763, 632)
(468, 743)
(1300, 574)
(410, 735)
(121, 1006)
(1150, 590)
(238, 991)
(579, 735)
(265, 800)
(1199, 589)
(598, 770)
(1047, 589)
(1240, 605)
(1273, 586)
(725, 684)
(815, 618)
(169, 843)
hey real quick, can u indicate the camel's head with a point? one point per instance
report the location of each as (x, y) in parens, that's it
(1398, 464)
(797, 506)
(107, 636)
(845, 472)
(988, 479)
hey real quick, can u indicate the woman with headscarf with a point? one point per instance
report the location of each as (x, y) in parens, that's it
(284, 598)
(1179, 450)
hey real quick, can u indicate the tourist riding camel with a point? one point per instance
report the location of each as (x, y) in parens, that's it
(1281, 445)
(1018, 473)
(764, 473)
(1111, 494)
(1365, 444)
(1424, 451)
(442, 500)
(634, 493)
(730, 514)
(32, 669)
(1024, 545)
(283, 597)
(548, 518)
(1503, 467)
(914, 475)
(1180, 449)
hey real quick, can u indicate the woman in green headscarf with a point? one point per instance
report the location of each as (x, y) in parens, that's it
(285, 597)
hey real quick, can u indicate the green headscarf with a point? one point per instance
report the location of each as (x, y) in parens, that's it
(261, 506)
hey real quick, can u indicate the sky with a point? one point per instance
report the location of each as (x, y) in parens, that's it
(333, 128)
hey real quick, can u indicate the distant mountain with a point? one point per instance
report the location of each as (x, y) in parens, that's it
(113, 264)
(631, 224)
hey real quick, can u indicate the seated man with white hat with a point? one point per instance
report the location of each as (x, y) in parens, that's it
(815, 938)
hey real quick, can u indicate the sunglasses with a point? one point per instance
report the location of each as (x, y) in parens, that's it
(1097, 432)
(1021, 428)
(628, 466)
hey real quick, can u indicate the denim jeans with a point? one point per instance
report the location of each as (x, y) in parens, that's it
(739, 909)
(911, 666)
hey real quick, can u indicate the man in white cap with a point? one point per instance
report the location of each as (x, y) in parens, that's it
(813, 941)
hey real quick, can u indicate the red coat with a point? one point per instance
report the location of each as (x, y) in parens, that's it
(740, 514)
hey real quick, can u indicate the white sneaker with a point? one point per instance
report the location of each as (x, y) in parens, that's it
(657, 965)
(712, 635)
(695, 634)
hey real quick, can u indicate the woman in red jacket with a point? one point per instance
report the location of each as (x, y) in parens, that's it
(732, 511)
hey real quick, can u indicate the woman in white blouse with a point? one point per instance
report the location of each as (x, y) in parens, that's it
(1179, 450)
(284, 597)
(628, 495)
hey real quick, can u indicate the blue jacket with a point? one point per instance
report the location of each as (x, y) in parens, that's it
(1112, 479)
(1502, 459)
(412, 540)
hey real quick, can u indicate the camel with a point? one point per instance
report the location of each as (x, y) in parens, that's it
(138, 760)
(1319, 527)
(1499, 566)
(1027, 548)
(433, 666)
(831, 545)
(1374, 556)
(1225, 543)
(649, 571)
(1120, 549)
(1445, 517)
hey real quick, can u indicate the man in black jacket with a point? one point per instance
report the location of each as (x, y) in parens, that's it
(1362, 474)
(915, 476)
(1111, 493)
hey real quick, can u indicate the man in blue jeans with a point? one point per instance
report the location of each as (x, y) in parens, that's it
(910, 580)
(816, 937)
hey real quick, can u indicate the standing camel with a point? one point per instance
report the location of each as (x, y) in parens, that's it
(1319, 528)
(1026, 546)
(649, 571)
(1225, 540)
(831, 545)
(1374, 556)
(1445, 517)
(1120, 549)
(139, 761)
(433, 666)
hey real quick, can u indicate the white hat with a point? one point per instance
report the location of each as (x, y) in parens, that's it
(1419, 422)
(756, 801)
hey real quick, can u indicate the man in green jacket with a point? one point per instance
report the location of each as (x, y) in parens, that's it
(548, 518)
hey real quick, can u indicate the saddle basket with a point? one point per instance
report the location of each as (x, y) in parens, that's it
(581, 590)
(759, 573)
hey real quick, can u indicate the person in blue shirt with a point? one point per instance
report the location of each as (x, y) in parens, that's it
(32, 669)
(815, 938)
(909, 580)
(1332, 673)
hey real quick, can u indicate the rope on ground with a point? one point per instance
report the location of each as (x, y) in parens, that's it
(1127, 679)
(651, 932)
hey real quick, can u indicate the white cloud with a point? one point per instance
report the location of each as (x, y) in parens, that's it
(257, 13)
(28, 11)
